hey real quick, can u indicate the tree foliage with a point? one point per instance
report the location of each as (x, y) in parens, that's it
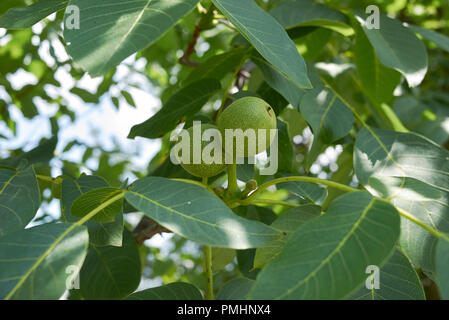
(363, 152)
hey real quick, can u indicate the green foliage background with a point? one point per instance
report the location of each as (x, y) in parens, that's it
(385, 107)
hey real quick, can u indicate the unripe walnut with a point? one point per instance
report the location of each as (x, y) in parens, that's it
(203, 169)
(248, 113)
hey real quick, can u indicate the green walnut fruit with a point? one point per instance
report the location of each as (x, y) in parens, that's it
(248, 113)
(204, 168)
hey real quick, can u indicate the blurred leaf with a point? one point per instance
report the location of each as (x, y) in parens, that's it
(221, 257)
(85, 95)
(19, 199)
(129, 99)
(183, 104)
(439, 39)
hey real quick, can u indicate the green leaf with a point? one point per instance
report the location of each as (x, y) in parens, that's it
(100, 234)
(277, 81)
(217, 66)
(85, 95)
(171, 291)
(111, 272)
(285, 147)
(221, 257)
(288, 222)
(268, 37)
(397, 281)
(43, 153)
(194, 213)
(128, 97)
(386, 153)
(236, 289)
(425, 203)
(19, 199)
(25, 17)
(114, 29)
(291, 14)
(326, 257)
(306, 191)
(35, 261)
(94, 198)
(183, 104)
(439, 39)
(443, 268)
(381, 158)
(398, 48)
(377, 81)
(328, 116)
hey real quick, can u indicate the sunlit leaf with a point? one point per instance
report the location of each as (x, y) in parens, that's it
(397, 281)
(193, 212)
(398, 48)
(111, 30)
(36, 263)
(326, 257)
(268, 37)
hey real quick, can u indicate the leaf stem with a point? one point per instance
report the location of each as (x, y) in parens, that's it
(209, 274)
(201, 184)
(46, 178)
(273, 202)
(232, 180)
(420, 223)
(328, 183)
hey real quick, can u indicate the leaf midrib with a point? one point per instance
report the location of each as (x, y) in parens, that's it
(57, 241)
(335, 251)
(197, 220)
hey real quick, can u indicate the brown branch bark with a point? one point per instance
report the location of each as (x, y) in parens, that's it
(146, 229)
